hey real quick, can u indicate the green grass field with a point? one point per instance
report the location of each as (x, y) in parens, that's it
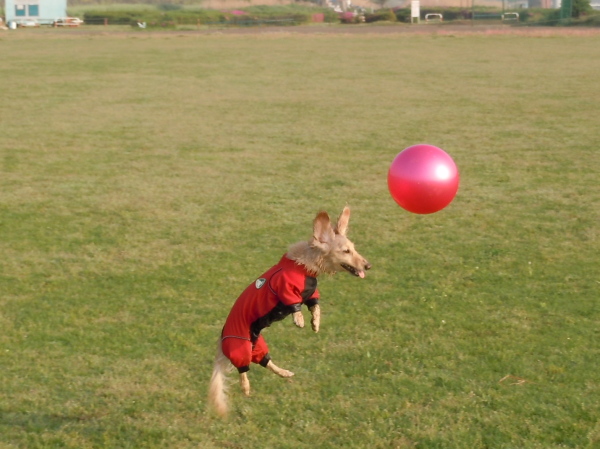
(146, 179)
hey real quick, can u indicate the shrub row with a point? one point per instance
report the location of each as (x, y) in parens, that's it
(176, 16)
(452, 14)
(534, 16)
(383, 15)
(553, 17)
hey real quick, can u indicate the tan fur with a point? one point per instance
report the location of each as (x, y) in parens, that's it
(245, 384)
(327, 251)
(298, 319)
(279, 371)
(315, 322)
(217, 393)
(328, 248)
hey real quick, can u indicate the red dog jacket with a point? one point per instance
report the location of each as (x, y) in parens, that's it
(276, 294)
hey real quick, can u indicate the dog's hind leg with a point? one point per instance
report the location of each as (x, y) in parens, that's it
(260, 355)
(245, 383)
(279, 371)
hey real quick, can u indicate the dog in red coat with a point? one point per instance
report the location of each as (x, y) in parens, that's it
(277, 293)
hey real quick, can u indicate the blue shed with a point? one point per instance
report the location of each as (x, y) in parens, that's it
(44, 12)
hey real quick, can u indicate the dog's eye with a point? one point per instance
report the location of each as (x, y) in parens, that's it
(347, 251)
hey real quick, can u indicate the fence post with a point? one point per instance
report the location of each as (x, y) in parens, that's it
(105, 21)
(415, 11)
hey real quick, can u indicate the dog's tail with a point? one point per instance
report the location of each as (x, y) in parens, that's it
(217, 393)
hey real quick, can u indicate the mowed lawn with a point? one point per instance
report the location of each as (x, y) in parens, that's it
(147, 178)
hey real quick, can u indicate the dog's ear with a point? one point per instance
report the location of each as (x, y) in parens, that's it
(342, 223)
(323, 234)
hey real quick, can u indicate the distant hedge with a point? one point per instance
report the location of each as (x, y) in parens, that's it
(383, 15)
(162, 17)
(452, 14)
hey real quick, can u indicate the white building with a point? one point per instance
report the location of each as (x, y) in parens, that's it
(44, 12)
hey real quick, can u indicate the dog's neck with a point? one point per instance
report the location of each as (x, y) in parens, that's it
(310, 258)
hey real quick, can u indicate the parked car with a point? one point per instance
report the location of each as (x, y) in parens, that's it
(67, 22)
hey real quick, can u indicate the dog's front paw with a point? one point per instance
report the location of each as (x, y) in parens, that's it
(316, 317)
(298, 319)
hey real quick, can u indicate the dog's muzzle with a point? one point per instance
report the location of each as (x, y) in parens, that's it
(356, 271)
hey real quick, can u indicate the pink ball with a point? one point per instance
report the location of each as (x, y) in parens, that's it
(423, 179)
